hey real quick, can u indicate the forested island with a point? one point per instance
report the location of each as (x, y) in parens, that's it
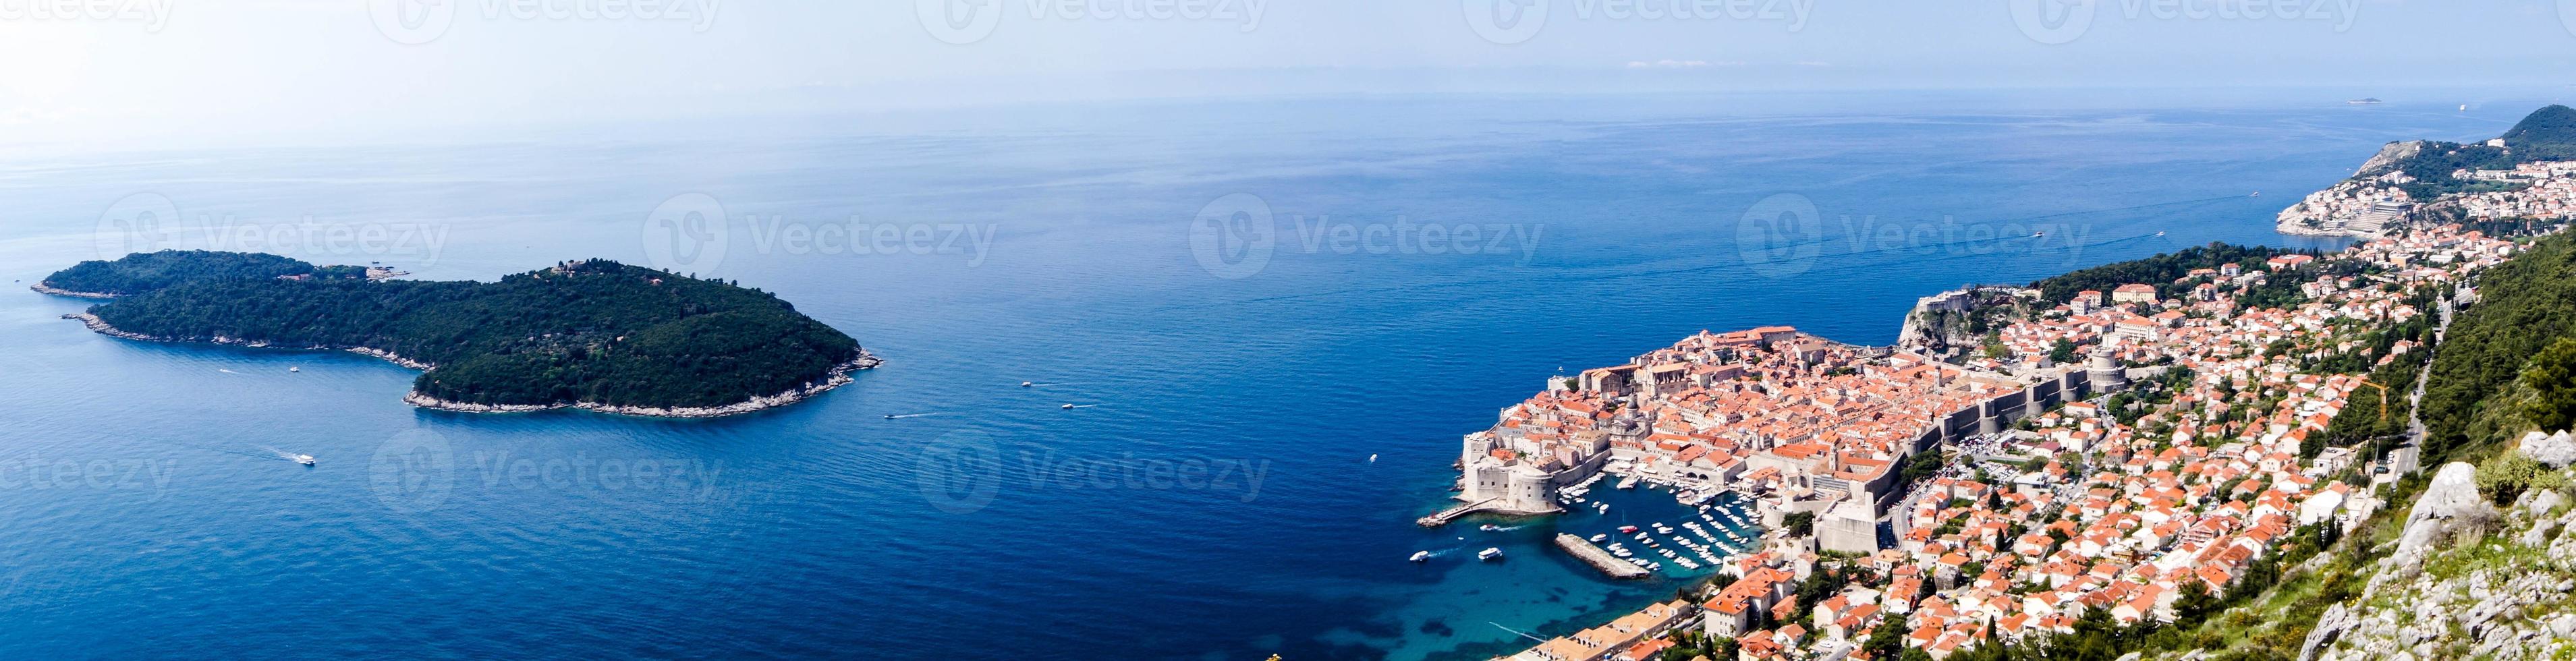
(590, 334)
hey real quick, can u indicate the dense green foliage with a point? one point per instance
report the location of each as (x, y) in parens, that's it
(2161, 270)
(142, 272)
(2432, 166)
(1799, 523)
(594, 332)
(2552, 379)
(2526, 304)
(2547, 134)
(2363, 418)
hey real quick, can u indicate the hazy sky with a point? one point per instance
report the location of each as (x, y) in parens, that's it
(141, 69)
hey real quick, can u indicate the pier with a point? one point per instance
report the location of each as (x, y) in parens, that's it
(1599, 559)
(1445, 516)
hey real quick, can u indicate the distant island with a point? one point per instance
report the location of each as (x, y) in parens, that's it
(2518, 176)
(589, 334)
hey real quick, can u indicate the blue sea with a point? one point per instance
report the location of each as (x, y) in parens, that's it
(1270, 350)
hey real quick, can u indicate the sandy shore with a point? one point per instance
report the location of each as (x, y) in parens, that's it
(839, 376)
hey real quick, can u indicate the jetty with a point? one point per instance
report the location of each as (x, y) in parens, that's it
(1599, 559)
(1443, 517)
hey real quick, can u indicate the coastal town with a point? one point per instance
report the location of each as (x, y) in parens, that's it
(2116, 454)
(2378, 198)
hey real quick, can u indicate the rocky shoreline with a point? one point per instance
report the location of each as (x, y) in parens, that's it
(43, 288)
(2296, 228)
(837, 377)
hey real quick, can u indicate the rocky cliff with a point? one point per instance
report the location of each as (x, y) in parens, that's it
(2468, 580)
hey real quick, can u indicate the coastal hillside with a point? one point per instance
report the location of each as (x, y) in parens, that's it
(591, 334)
(143, 272)
(2477, 557)
(2524, 173)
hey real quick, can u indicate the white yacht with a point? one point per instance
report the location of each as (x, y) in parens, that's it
(1490, 552)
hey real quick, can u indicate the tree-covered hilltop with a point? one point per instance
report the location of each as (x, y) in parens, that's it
(142, 272)
(594, 333)
(2160, 270)
(2547, 134)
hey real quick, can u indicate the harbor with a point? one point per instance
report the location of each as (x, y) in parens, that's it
(1623, 526)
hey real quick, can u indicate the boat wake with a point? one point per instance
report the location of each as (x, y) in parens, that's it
(300, 458)
(1080, 406)
(910, 415)
(226, 371)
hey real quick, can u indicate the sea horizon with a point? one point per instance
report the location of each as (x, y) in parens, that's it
(935, 498)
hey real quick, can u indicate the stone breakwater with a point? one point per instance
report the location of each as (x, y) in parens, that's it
(1599, 559)
(837, 377)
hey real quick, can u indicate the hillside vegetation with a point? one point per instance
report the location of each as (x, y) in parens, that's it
(591, 332)
(2474, 557)
(2547, 134)
(142, 272)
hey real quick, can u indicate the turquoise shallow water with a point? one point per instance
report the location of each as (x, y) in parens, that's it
(1214, 498)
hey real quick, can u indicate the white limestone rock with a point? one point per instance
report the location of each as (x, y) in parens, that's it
(2552, 450)
(2450, 505)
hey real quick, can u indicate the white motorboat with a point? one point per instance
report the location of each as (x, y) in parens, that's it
(1419, 556)
(1489, 553)
(305, 459)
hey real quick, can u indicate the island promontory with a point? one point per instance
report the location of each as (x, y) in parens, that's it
(591, 334)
